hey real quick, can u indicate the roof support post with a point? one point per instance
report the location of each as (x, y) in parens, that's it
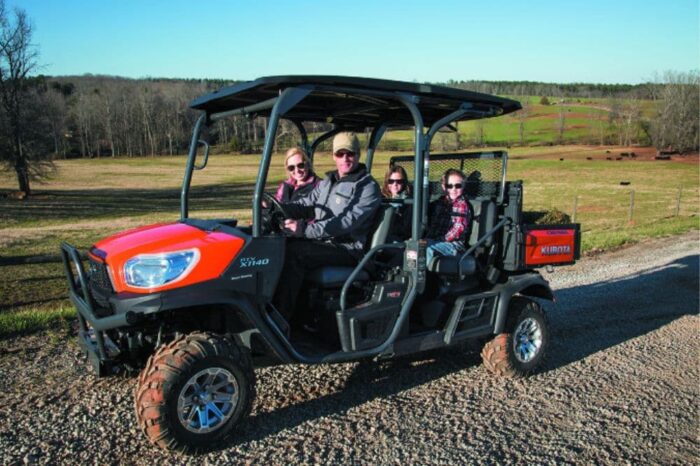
(249, 110)
(420, 174)
(374, 139)
(192, 155)
(317, 142)
(286, 101)
(304, 137)
(464, 108)
(446, 120)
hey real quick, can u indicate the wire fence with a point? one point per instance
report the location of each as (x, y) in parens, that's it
(625, 208)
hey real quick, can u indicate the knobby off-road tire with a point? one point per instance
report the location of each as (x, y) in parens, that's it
(521, 348)
(194, 391)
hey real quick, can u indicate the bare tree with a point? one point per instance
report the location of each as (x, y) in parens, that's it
(146, 105)
(127, 121)
(614, 118)
(597, 127)
(561, 124)
(676, 125)
(56, 102)
(479, 134)
(107, 117)
(18, 92)
(630, 113)
(86, 117)
(523, 114)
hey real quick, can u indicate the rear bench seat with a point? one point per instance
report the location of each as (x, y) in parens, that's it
(483, 220)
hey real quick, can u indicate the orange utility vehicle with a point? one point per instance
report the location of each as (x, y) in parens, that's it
(189, 303)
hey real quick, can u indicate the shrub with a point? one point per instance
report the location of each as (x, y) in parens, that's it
(548, 217)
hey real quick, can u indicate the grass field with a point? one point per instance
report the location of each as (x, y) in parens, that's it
(89, 199)
(585, 121)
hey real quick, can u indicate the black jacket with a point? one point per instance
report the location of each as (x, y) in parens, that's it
(342, 208)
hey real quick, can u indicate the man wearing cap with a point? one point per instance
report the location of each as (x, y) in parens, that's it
(342, 208)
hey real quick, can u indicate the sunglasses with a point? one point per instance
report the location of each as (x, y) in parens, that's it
(299, 166)
(455, 186)
(392, 181)
(345, 153)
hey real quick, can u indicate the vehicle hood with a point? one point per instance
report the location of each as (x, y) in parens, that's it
(216, 249)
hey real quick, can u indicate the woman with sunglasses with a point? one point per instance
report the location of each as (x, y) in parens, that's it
(396, 186)
(302, 179)
(449, 218)
(396, 183)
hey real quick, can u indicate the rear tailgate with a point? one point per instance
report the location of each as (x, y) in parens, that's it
(551, 244)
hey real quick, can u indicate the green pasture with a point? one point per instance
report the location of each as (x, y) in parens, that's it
(611, 213)
(86, 200)
(585, 121)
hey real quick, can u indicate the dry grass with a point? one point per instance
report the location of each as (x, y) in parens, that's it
(90, 199)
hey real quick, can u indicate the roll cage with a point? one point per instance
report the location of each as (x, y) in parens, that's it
(350, 104)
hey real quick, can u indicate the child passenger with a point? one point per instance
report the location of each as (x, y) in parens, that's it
(449, 218)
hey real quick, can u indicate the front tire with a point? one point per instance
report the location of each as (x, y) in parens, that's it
(194, 391)
(521, 348)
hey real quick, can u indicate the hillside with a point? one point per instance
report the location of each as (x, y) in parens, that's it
(97, 116)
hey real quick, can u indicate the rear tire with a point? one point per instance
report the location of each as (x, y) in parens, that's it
(194, 391)
(521, 348)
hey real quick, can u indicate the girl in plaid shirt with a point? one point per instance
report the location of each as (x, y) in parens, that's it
(449, 218)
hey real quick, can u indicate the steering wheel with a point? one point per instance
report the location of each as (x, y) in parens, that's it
(273, 215)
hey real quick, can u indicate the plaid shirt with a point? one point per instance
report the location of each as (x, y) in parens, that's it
(449, 221)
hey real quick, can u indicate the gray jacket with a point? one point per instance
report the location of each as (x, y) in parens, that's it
(343, 209)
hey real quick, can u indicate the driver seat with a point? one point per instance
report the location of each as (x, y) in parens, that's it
(335, 276)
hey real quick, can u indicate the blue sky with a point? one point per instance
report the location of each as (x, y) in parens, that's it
(612, 41)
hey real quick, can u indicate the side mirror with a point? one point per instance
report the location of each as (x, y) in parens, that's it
(204, 143)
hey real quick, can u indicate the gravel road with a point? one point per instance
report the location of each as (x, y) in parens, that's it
(621, 385)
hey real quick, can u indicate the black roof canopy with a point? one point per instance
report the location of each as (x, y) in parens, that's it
(355, 103)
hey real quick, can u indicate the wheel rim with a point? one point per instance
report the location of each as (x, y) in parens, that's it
(207, 400)
(527, 340)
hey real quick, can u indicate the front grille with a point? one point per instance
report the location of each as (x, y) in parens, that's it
(97, 273)
(100, 284)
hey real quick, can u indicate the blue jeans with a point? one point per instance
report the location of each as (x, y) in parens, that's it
(442, 248)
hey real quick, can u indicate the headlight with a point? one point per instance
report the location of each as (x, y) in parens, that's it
(151, 270)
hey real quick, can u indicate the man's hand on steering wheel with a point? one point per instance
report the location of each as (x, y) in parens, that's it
(294, 228)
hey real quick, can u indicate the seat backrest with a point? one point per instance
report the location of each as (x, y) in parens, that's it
(385, 216)
(435, 191)
(484, 219)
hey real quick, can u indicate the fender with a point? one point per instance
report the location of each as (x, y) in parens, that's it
(219, 292)
(214, 292)
(529, 284)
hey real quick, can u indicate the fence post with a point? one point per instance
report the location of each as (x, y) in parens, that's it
(631, 205)
(573, 216)
(678, 201)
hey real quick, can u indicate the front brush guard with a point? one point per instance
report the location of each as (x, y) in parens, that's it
(99, 350)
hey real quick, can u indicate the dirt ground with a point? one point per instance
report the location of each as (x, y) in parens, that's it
(620, 386)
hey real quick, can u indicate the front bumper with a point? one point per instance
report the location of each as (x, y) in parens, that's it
(100, 350)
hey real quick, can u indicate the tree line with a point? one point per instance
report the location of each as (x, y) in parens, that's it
(577, 90)
(98, 116)
(43, 118)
